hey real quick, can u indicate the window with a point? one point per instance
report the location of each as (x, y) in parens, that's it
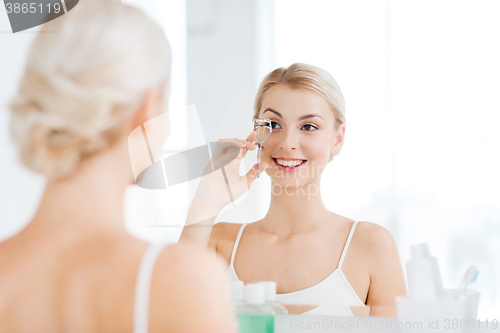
(152, 215)
(421, 154)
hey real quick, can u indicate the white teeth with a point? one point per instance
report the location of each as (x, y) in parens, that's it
(288, 163)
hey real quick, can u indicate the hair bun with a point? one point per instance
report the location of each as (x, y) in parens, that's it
(81, 84)
(46, 145)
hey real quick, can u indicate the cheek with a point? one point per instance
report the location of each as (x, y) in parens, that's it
(312, 148)
(316, 148)
(157, 130)
(271, 144)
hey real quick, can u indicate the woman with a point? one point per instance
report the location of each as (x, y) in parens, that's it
(321, 261)
(92, 76)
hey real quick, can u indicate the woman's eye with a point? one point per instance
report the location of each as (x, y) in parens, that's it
(275, 125)
(309, 127)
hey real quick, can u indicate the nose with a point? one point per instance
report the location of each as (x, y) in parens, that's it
(289, 141)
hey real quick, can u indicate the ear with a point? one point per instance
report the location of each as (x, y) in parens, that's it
(149, 107)
(338, 140)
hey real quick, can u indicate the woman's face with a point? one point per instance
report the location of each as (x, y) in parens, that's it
(154, 119)
(303, 136)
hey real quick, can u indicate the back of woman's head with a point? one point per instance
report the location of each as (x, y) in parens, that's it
(308, 77)
(85, 75)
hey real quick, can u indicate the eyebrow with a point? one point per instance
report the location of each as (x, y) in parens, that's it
(273, 111)
(307, 116)
(312, 115)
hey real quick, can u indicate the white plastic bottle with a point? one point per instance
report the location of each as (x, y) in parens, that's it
(255, 316)
(237, 294)
(424, 280)
(271, 297)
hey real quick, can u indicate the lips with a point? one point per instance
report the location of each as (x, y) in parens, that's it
(289, 164)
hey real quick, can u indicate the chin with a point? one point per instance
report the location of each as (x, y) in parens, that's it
(291, 183)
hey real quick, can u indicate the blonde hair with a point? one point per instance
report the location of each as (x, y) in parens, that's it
(86, 73)
(303, 76)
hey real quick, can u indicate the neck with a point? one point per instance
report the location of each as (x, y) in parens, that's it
(295, 210)
(91, 199)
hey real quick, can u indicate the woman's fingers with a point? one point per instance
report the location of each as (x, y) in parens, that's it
(225, 146)
(228, 153)
(248, 144)
(250, 141)
(250, 176)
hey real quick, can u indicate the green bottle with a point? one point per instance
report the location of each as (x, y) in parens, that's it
(255, 316)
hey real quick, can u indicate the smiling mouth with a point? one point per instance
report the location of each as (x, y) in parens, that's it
(288, 164)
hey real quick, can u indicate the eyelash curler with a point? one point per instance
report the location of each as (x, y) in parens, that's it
(264, 128)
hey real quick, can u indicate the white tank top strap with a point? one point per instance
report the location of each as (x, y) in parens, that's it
(346, 246)
(235, 246)
(143, 286)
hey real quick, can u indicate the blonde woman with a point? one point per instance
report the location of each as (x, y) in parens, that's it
(323, 263)
(91, 77)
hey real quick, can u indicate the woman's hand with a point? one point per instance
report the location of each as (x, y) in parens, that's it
(220, 185)
(222, 182)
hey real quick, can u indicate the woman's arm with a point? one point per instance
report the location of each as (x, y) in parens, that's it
(386, 273)
(217, 189)
(200, 220)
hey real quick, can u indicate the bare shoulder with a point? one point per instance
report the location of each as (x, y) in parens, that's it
(225, 231)
(373, 236)
(182, 257)
(223, 238)
(193, 280)
(384, 266)
(377, 243)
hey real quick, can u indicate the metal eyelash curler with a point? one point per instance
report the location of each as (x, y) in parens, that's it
(263, 128)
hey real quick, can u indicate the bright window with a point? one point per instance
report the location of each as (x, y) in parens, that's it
(421, 84)
(150, 214)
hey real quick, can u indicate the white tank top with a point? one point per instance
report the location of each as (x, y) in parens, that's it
(143, 286)
(332, 296)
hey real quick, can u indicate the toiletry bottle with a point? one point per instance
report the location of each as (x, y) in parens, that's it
(271, 297)
(255, 316)
(424, 281)
(237, 293)
(437, 274)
